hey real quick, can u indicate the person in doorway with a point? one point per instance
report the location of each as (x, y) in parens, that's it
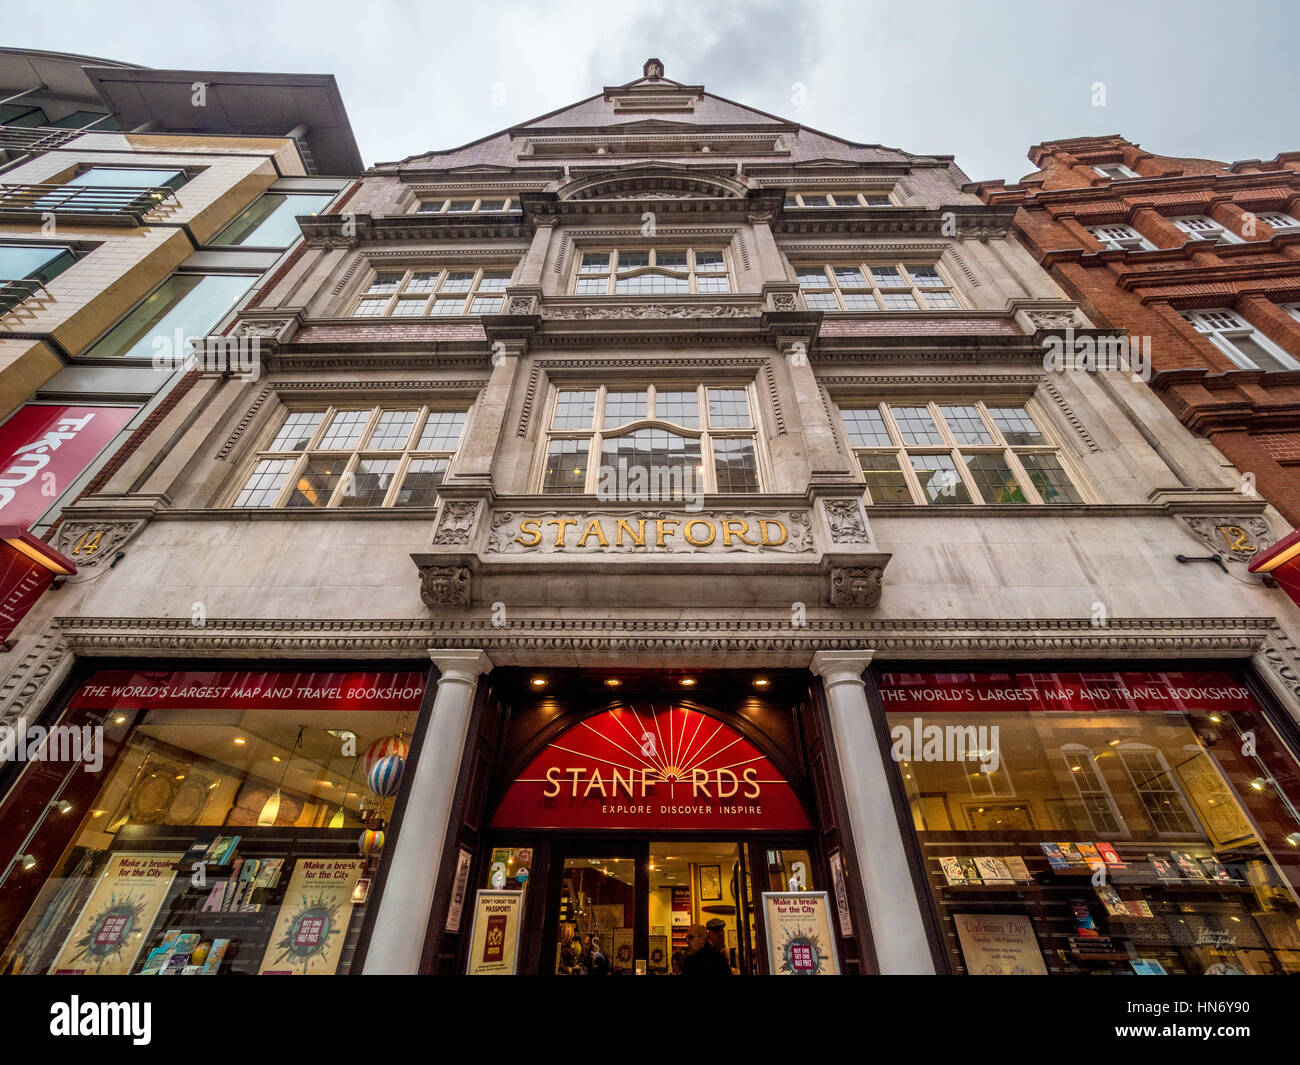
(708, 955)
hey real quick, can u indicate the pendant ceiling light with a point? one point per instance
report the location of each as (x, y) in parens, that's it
(271, 808)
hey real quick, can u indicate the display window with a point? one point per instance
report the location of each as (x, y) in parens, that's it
(204, 823)
(1101, 822)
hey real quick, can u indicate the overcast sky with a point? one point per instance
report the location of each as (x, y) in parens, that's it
(981, 81)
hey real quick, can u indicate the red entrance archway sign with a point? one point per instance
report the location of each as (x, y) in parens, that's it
(667, 768)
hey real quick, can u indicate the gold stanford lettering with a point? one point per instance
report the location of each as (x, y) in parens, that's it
(533, 527)
(698, 532)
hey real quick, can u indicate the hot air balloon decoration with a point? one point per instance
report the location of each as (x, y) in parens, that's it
(385, 775)
(384, 747)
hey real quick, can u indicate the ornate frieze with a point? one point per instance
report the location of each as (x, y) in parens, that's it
(645, 311)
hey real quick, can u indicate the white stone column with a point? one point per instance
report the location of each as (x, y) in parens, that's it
(897, 928)
(398, 935)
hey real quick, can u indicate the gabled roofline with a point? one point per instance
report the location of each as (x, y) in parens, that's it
(517, 128)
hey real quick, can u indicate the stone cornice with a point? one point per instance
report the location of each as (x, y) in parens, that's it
(1031, 196)
(923, 638)
(47, 658)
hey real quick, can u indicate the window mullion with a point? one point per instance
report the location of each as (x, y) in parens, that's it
(295, 475)
(1012, 458)
(595, 449)
(349, 470)
(399, 475)
(919, 494)
(964, 475)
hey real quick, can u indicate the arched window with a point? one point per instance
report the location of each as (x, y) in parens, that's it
(1094, 793)
(1155, 789)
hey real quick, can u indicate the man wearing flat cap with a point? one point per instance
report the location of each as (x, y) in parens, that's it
(710, 959)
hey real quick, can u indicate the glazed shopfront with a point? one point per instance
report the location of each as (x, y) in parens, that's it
(1008, 817)
(202, 822)
(1099, 821)
(628, 806)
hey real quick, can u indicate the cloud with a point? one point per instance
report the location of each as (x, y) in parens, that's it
(982, 82)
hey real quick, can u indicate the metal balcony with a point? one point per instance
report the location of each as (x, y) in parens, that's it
(32, 139)
(12, 293)
(102, 204)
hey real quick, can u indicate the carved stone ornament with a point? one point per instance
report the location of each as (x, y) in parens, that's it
(456, 522)
(641, 311)
(783, 301)
(263, 328)
(91, 543)
(1051, 319)
(522, 305)
(444, 585)
(856, 586)
(846, 522)
(1239, 538)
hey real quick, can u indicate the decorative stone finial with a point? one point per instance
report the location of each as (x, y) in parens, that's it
(653, 68)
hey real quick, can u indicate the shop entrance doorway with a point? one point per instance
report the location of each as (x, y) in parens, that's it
(617, 907)
(640, 830)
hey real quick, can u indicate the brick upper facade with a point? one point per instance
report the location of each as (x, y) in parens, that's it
(1148, 243)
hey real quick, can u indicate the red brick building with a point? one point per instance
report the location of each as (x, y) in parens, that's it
(1201, 256)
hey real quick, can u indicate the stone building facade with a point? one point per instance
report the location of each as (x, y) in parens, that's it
(664, 415)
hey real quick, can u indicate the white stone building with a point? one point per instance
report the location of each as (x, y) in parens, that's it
(660, 416)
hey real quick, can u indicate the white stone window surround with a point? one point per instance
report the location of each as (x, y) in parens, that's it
(885, 281)
(1120, 236)
(955, 446)
(662, 265)
(1204, 228)
(485, 203)
(1115, 171)
(592, 433)
(410, 437)
(1238, 339)
(839, 197)
(1281, 221)
(464, 289)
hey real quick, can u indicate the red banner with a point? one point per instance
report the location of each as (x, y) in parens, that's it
(44, 448)
(125, 689)
(1207, 691)
(656, 768)
(22, 580)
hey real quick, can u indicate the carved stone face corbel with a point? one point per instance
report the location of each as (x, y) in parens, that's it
(442, 583)
(856, 586)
